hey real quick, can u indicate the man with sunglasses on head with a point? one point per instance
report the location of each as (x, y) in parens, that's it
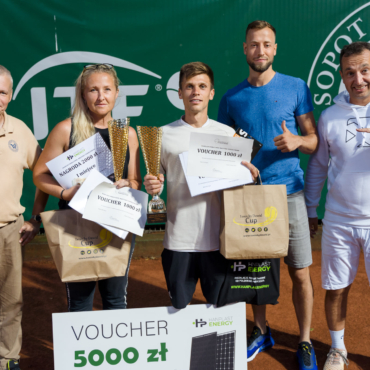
(19, 151)
(271, 107)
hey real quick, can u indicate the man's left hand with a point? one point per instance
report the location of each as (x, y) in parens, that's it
(363, 130)
(253, 169)
(287, 142)
(28, 231)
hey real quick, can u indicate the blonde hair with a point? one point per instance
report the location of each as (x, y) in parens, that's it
(83, 126)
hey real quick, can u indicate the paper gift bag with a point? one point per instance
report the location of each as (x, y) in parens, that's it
(83, 250)
(254, 222)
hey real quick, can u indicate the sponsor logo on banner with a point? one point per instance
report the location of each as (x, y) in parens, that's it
(40, 101)
(324, 79)
(214, 321)
(199, 323)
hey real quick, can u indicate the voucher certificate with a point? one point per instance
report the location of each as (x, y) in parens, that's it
(219, 156)
(79, 201)
(123, 208)
(74, 165)
(201, 185)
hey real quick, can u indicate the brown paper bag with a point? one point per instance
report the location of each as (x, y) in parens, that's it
(254, 222)
(83, 250)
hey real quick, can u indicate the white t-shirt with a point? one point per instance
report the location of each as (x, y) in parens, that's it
(193, 223)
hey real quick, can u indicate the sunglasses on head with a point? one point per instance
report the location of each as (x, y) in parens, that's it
(96, 66)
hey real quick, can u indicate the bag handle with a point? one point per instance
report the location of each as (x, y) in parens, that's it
(259, 180)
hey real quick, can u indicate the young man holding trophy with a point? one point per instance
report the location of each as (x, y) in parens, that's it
(191, 242)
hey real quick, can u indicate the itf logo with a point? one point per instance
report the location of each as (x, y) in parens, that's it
(39, 96)
(199, 323)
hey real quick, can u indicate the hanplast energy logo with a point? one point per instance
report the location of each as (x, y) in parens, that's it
(324, 79)
(252, 266)
(257, 221)
(214, 321)
(40, 99)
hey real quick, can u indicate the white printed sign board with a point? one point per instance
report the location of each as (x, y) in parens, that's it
(198, 337)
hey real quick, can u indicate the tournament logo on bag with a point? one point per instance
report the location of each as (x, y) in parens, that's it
(94, 242)
(259, 221)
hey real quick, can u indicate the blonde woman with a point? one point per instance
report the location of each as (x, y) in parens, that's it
(96, 94)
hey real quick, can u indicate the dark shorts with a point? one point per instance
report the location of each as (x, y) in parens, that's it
(183, 269)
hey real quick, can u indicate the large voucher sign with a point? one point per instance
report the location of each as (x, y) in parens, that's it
(198, 337)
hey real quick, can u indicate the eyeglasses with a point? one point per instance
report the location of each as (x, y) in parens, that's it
(96, 66)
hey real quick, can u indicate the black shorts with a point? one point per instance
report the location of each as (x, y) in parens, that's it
(183, 269)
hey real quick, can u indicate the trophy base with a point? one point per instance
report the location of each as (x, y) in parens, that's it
(156, 218)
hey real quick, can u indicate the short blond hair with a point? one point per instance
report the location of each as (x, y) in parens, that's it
(259, 25)
(5, 71)
(194, 69)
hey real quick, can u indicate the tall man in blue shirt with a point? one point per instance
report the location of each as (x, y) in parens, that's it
(270, 106)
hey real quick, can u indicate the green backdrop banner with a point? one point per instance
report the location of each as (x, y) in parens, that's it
(46, 43)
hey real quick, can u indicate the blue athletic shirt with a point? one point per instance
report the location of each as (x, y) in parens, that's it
(260, 111)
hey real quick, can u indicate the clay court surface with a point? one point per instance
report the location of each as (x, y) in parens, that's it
(44, 294)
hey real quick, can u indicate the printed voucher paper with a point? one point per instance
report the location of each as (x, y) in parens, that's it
(75, 164)
(201, 185)
(219, 156)
(123, 208)
(79, 201)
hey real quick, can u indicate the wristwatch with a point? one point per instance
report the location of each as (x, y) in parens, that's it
(37, 218)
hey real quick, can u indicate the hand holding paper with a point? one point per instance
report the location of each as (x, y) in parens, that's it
(123, 208)
(78, 203)
(254, 171)
(201, 185)
(219, 157)
(75, 164)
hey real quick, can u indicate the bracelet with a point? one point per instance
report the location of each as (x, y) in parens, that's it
(61, 194)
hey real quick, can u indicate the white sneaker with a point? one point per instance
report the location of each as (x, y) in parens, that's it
(336, 359)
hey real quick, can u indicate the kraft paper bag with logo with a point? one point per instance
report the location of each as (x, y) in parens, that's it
(254, 222)
(251, 281)
(83, 250)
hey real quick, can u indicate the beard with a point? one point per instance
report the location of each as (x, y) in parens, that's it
(261, 67)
